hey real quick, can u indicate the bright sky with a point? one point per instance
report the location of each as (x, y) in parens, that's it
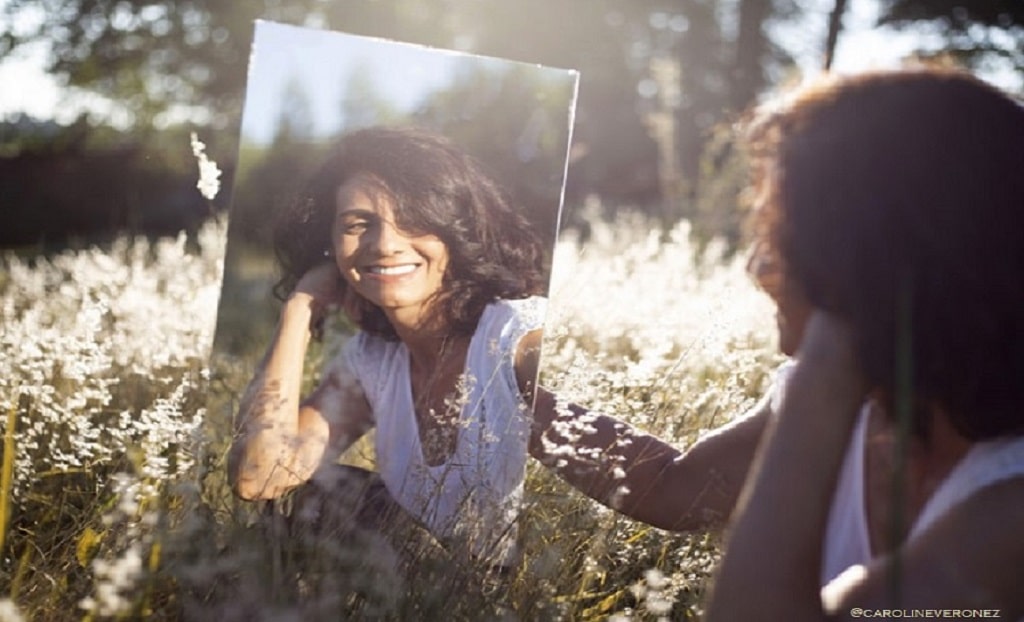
(24, 87)
(322, 62)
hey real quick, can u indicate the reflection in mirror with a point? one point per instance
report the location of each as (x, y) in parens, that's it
(378, 336)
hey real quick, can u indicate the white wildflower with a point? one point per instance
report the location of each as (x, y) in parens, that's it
(9, 611)
(209, 173)
(617, 497)
(114, 583)
(658, 604)
(655, 579)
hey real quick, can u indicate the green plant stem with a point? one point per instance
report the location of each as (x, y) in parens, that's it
(7, 472)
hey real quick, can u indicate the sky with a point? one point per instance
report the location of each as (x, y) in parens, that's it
(321, 63)
(860, 46)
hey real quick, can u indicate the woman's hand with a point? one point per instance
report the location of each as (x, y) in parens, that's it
(771, 565)
(319, 289)
(827, 358)
(282, 440)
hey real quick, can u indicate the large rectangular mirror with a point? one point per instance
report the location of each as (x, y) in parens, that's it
(392, 226)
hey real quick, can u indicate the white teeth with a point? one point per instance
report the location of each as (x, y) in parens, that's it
(391, 270)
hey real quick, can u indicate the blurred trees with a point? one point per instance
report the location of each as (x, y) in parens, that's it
(162, 63)
(657, 76)
(81, 183)
(158, 62)
(980, 33)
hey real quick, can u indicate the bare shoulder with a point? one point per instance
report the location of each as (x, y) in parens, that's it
(527, 359)
(972, 557)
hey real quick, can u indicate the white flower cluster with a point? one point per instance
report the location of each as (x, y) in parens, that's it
(116, 579)
(638, 324)
(9, 611)
(209, 173)
(101, 350)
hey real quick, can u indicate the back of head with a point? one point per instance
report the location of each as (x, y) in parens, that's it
(895, 199)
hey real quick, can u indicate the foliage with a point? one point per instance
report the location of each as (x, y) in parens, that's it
(117, 512)
(103, 357)
(981, 34)
(168, 62)
(80, 184)
(163, 63)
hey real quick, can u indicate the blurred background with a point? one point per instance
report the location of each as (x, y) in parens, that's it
(98, 97)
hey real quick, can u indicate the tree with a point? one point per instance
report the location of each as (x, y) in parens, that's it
(166, 61)
(160, 60)
(981, 34)
(835, 22)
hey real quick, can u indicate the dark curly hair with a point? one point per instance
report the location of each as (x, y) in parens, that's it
(902, 192)
(435, 188)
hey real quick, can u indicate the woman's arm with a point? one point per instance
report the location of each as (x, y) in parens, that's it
(770, 569)
(636, 473)
(971, 558)
(281, 440)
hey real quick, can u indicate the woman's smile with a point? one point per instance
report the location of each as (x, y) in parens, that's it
(380, 271)
(398, 271)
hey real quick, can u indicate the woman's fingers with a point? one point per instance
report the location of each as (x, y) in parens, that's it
(321, 286)
(321, 282)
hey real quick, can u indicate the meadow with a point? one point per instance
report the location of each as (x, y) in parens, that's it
(113, 500)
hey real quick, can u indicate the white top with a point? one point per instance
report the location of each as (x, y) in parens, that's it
(847, 541)
(474, 497)
(847, 546)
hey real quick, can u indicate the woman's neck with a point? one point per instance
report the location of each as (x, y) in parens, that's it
(928, 461)
(427, 351)
(427, 341)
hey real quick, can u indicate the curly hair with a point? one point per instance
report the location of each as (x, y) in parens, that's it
(895, 199)
(436, 189)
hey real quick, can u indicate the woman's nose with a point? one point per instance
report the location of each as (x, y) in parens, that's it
(388, 240)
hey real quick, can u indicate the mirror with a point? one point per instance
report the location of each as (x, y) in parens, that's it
(319, 100)
(307, 87)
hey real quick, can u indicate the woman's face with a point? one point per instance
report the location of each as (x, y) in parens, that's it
(399, 271)
(791, 314)
(792, 309)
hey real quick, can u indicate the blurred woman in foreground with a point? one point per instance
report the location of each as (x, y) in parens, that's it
(885, 468)
(892, 472)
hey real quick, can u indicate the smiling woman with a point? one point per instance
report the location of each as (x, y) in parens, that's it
(413, 242)
(421, 250)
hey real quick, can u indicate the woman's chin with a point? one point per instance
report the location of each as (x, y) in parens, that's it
(788, 342)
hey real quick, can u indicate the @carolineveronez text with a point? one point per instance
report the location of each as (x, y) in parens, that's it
(939, 614)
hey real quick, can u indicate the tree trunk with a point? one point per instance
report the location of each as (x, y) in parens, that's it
(835, 24)
(751, 43)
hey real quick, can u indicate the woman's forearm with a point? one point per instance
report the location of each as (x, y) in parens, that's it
(273, 451)
(599, 455)
(642, 476)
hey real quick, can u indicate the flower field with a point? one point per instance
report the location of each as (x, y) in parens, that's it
(113, 503)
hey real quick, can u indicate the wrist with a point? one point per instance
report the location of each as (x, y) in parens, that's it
(301, 308)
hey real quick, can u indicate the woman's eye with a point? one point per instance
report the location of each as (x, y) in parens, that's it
(355, 227)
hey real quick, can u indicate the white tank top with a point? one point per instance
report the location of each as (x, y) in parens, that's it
(847, 546)
(474, 497)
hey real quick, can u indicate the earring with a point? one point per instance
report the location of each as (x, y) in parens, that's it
(327, 253)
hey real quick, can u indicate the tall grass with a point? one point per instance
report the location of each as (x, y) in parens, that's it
(116, 498)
